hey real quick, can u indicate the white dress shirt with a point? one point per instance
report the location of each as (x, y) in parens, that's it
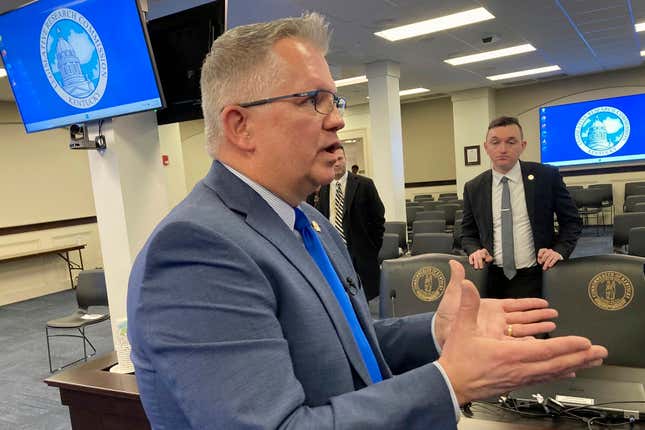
(522, 234)
(332, 195)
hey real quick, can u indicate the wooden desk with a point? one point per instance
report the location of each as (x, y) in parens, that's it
(61, 251)
(98, 399)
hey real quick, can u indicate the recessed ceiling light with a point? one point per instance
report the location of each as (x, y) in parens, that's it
(640, 26)
(413, 91)
(3, 72)
(436, 24)
(489, 55)
(523, 73)
(350, 81)
(642, 53)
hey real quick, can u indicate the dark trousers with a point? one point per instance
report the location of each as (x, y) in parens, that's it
(526, 283)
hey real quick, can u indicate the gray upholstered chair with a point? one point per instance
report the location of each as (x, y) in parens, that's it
(425, 243)
(423, 197)
(389, 248)
(428, 215)
(400, 228)
(601, 297)
(449, 210)
(456, 236)
(632, 201)
(428, 226)
(632, 188)
(623, 223)
(636, 241)
(412, 285)
(411, 213)
(91, 291)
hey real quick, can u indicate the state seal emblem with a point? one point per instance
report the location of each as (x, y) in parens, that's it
(602, 131)
(611, 291)
(73, 58)
(428, 284)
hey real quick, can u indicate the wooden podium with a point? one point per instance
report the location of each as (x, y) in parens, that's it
(98, 399)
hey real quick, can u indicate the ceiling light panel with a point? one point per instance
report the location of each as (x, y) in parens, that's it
(436, 24)
(413, 91)
(351, 81)
(640, 26)
(521, 73)
(489, 55)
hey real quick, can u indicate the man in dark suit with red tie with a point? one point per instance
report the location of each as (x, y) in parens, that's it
(352, 204)
(508, 216)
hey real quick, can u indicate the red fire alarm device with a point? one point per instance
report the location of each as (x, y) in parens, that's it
(164, 160)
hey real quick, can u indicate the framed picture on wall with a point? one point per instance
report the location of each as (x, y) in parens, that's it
(471, 155)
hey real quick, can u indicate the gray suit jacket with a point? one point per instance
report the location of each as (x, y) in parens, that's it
(233, 326)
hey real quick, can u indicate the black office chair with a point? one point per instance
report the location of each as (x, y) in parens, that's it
(622, 224)
(411, 214)
(632, 201)
(637, 241)
(412, 285)
(423, 197)
(456, 236)
(401, 229)
(429, 215)
(632, 188)
(425, 243)
(389, 248)
(589, 202)
(91, 291)
(448, 196)
(601, 297)
(430, 205)
(449, 210)
(607, 198)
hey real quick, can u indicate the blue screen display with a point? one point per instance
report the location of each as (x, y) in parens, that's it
(76, 61)
(594, 132)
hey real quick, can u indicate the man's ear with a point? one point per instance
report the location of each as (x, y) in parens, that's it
(235, 122)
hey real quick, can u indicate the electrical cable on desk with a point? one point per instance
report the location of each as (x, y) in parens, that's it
(590, 423)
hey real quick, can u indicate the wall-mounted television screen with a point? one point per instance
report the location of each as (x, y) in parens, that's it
(594, 133)
(180, 43)
(76, 61)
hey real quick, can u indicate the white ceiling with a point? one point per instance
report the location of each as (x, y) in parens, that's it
(581, 36)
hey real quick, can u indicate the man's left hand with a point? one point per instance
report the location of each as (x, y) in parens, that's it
(527, 317)
(548, 257)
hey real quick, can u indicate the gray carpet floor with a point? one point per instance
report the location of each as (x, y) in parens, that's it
(27, 402)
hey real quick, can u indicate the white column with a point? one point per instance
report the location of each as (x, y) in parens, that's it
(130, 198)
(385, 156)
(472, 111)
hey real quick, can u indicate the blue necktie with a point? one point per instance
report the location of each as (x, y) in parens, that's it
(317, 252)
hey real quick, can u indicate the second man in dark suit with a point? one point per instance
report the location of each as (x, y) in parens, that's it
(508, 216)
(354, 207)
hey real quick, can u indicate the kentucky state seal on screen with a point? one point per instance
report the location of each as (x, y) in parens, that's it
(602, 131)
(73, 58)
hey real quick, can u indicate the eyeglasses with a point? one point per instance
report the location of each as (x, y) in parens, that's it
(324, 101)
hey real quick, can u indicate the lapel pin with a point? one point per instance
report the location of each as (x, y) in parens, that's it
(315, 226)
(531, 177)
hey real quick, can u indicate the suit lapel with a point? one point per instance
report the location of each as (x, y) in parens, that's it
(350, 192)
(487, 204)
(528, 179)
(262, 218)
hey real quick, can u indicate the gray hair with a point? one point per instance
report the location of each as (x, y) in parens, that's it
(241, 65)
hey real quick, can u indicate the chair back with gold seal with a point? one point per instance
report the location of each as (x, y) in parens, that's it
(601, 297)
(414, 285)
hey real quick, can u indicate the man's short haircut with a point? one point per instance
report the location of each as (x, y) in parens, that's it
(505, 121)
(241, 65)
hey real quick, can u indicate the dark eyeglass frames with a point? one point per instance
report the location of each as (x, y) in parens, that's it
(324, 101)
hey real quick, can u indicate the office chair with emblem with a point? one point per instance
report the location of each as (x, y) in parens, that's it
(413, 285)
(601, 297)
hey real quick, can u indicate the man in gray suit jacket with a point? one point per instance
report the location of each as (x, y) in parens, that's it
(234, 325)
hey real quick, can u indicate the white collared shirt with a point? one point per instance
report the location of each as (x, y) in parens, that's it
(522, 234)
(332, 194)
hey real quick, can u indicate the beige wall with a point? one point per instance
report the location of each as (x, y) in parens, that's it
(196, 159)
(41, 178)
(428, 140)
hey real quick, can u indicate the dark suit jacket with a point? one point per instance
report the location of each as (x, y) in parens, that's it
(363, 225)
(545, 195)
(233, 326)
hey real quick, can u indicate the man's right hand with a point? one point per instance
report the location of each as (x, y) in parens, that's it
(478, 258)
(479, 366)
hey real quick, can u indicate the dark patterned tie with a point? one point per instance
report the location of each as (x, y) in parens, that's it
(339, 203)
(508, 248)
